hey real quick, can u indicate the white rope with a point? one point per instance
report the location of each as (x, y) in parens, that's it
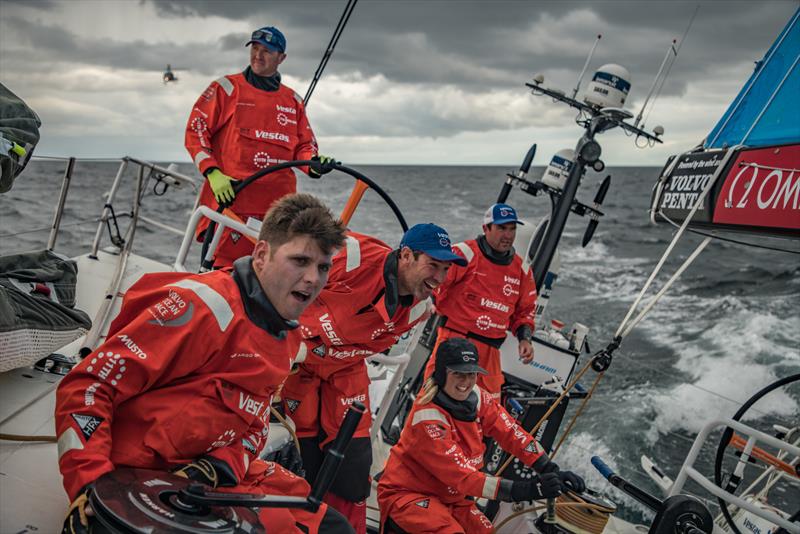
(675, 239)
(669, 283)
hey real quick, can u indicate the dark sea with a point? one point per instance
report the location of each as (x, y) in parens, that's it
(729, 327)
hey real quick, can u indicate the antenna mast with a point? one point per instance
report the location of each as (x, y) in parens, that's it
(585, 65)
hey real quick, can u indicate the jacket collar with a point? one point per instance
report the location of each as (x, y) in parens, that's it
(391, 297)
(256, 304)
(265, 83)
(498, 258)
(466, 410)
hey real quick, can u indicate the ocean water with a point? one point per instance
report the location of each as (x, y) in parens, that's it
(729, 327)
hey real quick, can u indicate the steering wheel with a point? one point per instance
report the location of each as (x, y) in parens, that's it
(728, 434)
(240, 185)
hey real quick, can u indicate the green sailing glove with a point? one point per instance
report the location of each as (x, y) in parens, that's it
(321, 165)
(221, 186)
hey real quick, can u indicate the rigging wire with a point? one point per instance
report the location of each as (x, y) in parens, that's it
(48, 228)
(348, 10)
(728, 239)
(671, 64)
(66, 158)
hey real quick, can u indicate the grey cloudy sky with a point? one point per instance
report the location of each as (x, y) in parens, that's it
(410, 81)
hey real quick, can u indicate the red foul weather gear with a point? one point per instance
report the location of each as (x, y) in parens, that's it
(240, 130)
(439, 457)
(188, 369)
(359, 313)
(481, 302)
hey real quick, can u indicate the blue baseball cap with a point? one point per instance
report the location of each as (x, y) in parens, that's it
(433, 241)
(269, 36)
(501, 214)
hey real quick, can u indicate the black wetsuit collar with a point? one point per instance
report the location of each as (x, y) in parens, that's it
(256, 304)
(265, 83)
(393, 298)
(498, 258)
(466, 410)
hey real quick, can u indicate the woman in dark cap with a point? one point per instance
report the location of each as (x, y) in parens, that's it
(435, 467)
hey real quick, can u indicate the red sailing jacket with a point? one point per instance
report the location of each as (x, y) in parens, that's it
(441, 456)
(240, 130)
(350, 317)
(485, 298)
(184, 372)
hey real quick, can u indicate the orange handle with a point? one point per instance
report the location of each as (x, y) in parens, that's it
(760, 454)
(352, 203)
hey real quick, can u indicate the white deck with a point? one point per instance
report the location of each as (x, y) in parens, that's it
(31, 495)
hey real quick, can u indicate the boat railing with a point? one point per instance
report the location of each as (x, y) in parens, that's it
(156, 171)
(124, 244)
(223, 222)
(401, 362)
(753, 436)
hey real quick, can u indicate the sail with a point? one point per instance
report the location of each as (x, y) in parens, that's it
(749, 165)
(766, 111)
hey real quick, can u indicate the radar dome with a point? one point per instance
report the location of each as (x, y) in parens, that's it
(609, 87)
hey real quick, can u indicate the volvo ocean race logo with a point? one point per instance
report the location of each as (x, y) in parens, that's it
(283, 120)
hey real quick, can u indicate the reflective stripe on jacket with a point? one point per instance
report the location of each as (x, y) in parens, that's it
(442, 456)
(349, 320)
(183, 372)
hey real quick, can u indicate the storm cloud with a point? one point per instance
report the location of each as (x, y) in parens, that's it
(429, 71)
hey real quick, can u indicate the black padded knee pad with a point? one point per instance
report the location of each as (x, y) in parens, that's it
(390, 527)
(352, 479)
(335, 523)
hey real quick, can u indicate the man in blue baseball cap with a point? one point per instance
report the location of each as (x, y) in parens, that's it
(374, 295)
(243, 123)
(495, 293)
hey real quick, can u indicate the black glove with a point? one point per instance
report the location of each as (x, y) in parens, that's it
(546, 486)
(79, 515)
(289, 457)
(321, 165)
(544, 465)
(210, 471)
(572, 481)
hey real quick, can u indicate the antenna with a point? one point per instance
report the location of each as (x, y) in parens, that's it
(585, 65)
(674, 49)
(655, 80)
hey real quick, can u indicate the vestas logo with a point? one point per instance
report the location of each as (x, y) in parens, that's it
(250, 405)
(347, 401)
(286, 109)
(486, 303)
(272, 136)
(510, 280)
(327, 327)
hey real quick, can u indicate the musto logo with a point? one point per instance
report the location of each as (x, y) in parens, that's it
(484, 322)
